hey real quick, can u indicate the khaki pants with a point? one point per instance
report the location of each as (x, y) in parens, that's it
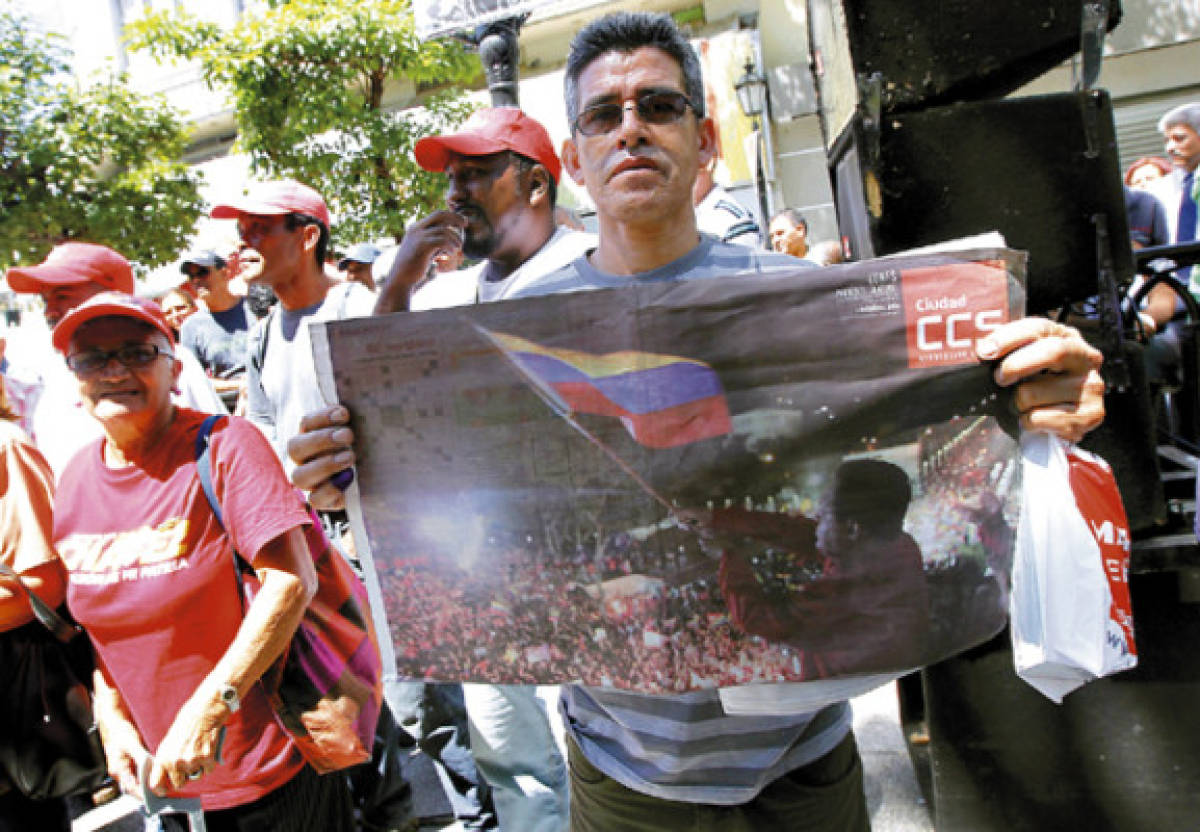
(824, 796)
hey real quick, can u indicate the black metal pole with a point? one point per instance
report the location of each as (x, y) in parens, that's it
(500, 55)
(760, 181)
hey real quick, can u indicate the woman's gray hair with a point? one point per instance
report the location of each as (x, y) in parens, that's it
(627, 32)
(1188, 114)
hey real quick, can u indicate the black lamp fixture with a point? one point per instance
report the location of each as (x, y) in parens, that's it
(751, 91)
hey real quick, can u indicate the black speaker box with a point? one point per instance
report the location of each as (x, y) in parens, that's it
(931, 52)
(1038, 169)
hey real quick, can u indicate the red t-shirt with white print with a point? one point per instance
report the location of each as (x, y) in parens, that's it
(152, 580)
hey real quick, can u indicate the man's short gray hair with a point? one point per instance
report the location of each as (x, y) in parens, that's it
(627, 32)
(1188, 114)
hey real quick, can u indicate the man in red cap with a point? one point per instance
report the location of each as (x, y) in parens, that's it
(70, 274)
(503, 183)
(503, 178)
(285, 225)
(284, 229)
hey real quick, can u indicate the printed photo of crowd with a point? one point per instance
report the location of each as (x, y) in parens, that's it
(874, 561)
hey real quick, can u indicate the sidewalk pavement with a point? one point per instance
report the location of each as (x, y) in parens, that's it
(893, 796)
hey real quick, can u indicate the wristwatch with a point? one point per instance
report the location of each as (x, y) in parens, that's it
(229, 696)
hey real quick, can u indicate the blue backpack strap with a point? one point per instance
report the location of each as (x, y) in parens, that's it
(204, 473)
(204, 465)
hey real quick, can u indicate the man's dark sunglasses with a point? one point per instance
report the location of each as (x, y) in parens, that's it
(132, 357)
(665, 107)
(198, 273)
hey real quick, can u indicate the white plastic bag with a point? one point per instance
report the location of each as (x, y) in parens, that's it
(1071, 616)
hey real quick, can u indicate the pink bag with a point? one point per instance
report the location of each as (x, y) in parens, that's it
(1071, 616)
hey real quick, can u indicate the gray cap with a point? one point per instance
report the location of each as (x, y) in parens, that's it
(203, 257)
(360, 253)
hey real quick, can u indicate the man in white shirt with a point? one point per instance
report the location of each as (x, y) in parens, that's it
(719, 214)
(503, 174)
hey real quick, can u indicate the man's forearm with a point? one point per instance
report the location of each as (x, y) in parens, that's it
(393, 298)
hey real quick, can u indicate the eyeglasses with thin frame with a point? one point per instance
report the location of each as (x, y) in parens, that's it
(658, 107)
(130, 356)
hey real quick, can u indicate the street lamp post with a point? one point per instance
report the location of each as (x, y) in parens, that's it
(751, 91)
(499, 54)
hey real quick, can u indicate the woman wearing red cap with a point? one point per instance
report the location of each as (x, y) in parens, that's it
(151, 578)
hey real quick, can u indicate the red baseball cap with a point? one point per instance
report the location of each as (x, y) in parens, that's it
(280, 196)
(106, 305)
(71, 263)
(489, 131)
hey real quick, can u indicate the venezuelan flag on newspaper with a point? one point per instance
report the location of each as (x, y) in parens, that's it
(662, 400)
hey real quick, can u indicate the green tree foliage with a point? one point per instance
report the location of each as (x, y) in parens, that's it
(308, 80)
(98, 164)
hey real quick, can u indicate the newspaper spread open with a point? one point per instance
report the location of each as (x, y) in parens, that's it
(756, 479)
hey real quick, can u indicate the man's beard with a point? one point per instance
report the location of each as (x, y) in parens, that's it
(479, 244)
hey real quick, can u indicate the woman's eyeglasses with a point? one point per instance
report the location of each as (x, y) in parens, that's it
(198, 273)
(664, 107)
(133, 356)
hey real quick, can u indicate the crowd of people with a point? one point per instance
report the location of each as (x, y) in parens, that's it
(145, 564)
(536, 617)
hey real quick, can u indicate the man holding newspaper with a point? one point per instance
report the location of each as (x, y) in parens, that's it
(640, 762)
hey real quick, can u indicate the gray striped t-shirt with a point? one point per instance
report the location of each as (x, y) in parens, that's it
(685, 747)
(711, 258)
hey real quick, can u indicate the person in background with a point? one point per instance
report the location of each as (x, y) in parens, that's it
(26, 529)
(568, 218)
(1179, 193)
(1145, 170)
(357, 264)
(789, 233)
(70, 274)
(284, 228)
(152, 580)
(177, 306)
(719, 214)
(1148, 227)
(503, 175)
(217, 333)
